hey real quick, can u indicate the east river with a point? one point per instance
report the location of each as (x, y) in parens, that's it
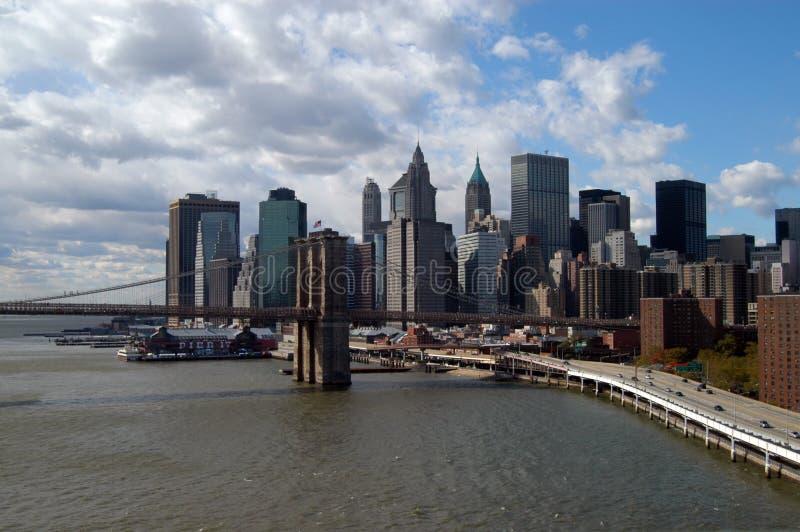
(89, 442)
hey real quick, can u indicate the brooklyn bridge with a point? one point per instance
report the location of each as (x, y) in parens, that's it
(321, 313)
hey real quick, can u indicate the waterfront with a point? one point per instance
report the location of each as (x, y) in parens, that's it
(91, 442)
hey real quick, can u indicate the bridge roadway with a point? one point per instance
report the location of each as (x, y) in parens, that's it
(111, 309)
(739, 421)
(297, 313)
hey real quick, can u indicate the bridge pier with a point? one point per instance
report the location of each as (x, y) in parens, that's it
(733, 449)
(622, 396)
(685, 427)
(611, 393)
(581, 384)
(708, 442)
(650, 415)
(666, 417)
(596, 388)
(321, 352)
(767, 471)
(636, 404)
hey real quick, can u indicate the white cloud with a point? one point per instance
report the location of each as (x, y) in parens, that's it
(582, 31)
(755, 185)
(794, 145)
(108, 110)
(593, 107)
(510, 47)
(545, 43)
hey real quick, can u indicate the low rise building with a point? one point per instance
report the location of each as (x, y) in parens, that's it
(680, 321)
(779, 350)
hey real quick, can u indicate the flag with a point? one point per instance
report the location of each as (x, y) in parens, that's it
(318, 223)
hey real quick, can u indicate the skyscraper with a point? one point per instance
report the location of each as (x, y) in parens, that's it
(184, 215)
(586, 198)
(602, 219)
(370, 209)
(282, 220)
(478, 254)
(787, 224)
(217, 240)
(477, 196)
(540, 200)
(412, 196)
(579, 236)
(526, 268)
(415, 243)
(243, 293)
(681, 218)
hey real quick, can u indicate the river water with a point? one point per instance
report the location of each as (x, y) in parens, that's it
(87, 441)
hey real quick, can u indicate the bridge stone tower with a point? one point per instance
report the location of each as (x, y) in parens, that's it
(321, 353)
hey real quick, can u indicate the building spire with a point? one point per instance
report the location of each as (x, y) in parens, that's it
(418, 157)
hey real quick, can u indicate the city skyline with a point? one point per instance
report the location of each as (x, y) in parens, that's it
(105, 123)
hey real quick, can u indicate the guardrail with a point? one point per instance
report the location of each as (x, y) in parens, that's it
(720, 427)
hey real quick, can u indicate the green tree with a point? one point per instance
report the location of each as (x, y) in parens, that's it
(727, 346)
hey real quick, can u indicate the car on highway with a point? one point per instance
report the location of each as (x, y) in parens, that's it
(620, 375)
(698, 388)
(679, 393)
(795, 434)
(718, 408)
(684, 379)
(668, 389)
(764, 424)
(649, 371)
(648, 376)
(709, 391)
(650, 383)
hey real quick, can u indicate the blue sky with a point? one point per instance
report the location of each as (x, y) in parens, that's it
(108, 111)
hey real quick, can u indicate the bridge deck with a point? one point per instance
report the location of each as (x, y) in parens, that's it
(296, 313)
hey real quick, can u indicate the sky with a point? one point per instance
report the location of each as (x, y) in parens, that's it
(110, 109)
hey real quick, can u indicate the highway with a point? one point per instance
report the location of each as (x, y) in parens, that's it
(739, 411)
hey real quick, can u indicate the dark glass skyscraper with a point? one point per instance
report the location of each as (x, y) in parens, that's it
(787, 224)
(281, 220)
(540, 200)
(184, 215)
(370, 210)
(477, 196)
(681, 218)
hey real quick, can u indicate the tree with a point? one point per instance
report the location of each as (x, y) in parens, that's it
(727, 346)
(677, 354)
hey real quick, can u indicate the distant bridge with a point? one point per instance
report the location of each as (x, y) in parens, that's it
(304, 313)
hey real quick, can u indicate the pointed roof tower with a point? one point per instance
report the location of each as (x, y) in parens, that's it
(477, 175)
(478, 195)
(418, 157)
